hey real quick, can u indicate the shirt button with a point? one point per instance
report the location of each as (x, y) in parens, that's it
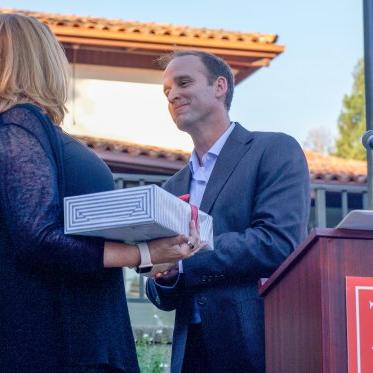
(202, 301)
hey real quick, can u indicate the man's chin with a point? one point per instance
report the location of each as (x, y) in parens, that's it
(182, 123)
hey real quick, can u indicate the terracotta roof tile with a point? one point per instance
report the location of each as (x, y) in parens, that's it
(134, 149)
(323, 168)
(330, 169)
(119, 43)
(146, 28)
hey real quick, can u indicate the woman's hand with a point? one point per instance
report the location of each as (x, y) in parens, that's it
(163, 250)
(170, 250)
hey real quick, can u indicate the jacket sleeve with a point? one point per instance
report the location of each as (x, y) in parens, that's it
(277, 225)
(31, 211)
(166, 298)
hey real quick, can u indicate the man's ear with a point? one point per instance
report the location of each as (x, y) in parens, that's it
(221, 87)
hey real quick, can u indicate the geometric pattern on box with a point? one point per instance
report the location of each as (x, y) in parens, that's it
(99, 209)
(132, 215)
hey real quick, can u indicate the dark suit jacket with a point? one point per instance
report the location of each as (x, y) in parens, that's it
(258, 195)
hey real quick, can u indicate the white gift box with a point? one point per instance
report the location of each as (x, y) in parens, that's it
(132, 215)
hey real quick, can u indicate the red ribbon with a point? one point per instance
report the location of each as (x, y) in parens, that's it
(194, 209)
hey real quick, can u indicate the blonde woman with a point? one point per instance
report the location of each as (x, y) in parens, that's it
(63, 306)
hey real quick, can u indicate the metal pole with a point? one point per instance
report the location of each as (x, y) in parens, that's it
(368, 66)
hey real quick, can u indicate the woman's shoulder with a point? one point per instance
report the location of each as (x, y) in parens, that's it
(22, 114)
(30, 118)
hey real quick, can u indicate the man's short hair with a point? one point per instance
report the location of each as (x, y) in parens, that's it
(215, 67)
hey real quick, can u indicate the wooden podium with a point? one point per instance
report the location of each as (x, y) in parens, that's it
(305, 302)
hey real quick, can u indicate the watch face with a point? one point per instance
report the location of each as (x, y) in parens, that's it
(144, 269)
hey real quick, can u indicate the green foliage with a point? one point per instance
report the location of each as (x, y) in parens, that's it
(152, 357)
(351, 122)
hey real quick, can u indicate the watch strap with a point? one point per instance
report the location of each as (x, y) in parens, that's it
(145, 259)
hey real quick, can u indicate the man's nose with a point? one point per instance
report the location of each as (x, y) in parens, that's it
(172, 95)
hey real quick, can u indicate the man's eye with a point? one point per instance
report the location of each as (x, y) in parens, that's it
(183, 83)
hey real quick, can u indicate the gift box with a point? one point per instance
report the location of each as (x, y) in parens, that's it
(132, 215)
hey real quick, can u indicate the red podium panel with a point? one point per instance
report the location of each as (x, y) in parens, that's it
(359, 302)
(305, 304)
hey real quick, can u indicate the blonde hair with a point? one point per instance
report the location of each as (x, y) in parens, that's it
(33, 66)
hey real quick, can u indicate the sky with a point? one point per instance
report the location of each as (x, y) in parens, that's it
(301, 90)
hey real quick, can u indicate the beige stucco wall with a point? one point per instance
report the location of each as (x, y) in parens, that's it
(123, 104)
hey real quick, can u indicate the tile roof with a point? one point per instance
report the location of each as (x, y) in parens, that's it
(334, 170)
(134, 149)
(150, 29)
(115, 42)
(124, 156)
(323, 168)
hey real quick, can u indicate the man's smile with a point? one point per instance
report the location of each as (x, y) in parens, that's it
(177, 107)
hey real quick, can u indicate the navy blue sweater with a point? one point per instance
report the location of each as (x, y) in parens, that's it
(58, 305)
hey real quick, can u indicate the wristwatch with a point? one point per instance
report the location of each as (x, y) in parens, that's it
(146, 264)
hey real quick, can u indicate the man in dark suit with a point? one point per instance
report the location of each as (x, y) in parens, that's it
(256, 187)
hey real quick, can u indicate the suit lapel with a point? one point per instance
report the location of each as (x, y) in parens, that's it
(237, 144)
(180, 183)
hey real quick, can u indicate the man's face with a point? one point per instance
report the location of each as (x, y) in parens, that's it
(191, 99)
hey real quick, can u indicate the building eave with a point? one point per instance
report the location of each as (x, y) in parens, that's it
(100, 41)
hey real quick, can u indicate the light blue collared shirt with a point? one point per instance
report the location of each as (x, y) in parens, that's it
(201, 173)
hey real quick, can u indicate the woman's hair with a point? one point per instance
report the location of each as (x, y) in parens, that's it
(33, 66)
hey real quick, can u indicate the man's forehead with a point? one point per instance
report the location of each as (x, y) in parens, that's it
(184, 66)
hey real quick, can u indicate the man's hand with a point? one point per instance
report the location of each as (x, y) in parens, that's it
(169, 277)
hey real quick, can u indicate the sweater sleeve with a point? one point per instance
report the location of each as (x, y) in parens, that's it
(31, 211)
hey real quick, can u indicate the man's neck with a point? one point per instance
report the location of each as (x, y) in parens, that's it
(205, 136)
